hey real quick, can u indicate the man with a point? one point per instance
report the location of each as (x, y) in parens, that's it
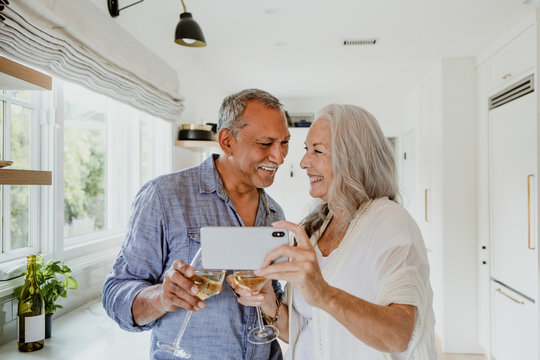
(150, 287)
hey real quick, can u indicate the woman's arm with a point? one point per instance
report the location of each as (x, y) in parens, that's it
(266, 298)
(270, 308)
(385, 328)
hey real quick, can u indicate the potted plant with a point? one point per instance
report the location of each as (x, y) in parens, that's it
(54, 279)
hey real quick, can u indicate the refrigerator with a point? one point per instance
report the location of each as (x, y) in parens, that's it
(513, 196)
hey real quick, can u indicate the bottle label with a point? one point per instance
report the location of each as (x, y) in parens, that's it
(34, 328)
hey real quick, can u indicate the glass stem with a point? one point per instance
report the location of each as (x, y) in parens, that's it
(259, 316)
(182, 330)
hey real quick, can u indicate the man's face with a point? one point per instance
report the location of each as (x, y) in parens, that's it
(261, 145)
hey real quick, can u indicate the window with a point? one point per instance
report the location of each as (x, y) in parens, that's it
(102, 151)
(85, 150)
(109, 152)
(19, 128)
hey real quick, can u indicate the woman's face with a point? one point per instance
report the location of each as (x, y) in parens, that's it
(318, 161)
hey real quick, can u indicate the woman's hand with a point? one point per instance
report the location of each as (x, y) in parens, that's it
(302, 271)
(266, 298)
(246, 297)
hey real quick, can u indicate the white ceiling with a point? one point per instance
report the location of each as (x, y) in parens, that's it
(293, 48)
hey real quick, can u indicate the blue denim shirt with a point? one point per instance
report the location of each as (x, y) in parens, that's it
(167, 215)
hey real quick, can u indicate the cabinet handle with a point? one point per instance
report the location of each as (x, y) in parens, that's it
(510, 297)
(529, 210)
(507, 76)
(426, 205)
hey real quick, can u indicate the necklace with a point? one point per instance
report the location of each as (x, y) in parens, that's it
(334, 239)
(329, 269)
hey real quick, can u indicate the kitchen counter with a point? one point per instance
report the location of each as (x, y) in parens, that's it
(85, 333)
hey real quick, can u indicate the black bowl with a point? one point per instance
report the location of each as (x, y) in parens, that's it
(195, 135)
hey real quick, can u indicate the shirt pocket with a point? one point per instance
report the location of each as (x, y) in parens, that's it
(194, 240)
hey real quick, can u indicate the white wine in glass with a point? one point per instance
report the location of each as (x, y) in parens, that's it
(262, 334)
(210, 283)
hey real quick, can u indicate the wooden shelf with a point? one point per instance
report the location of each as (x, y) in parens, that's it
(25, 177)
(14, 76)
(196, 145)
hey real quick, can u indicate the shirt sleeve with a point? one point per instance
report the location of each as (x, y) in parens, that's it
(140, 261)
(401, 267)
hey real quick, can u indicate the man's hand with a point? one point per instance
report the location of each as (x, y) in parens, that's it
(178, 291)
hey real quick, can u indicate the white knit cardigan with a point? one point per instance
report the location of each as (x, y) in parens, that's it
(382, 259)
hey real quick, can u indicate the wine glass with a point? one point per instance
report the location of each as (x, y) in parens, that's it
(209, 282)
(263, 334)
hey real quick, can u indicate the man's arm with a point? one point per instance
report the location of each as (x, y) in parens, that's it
(176, 291)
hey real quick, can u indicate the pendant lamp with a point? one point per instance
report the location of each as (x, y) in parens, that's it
(188, 32)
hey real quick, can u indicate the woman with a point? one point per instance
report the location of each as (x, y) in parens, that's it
(358, 280)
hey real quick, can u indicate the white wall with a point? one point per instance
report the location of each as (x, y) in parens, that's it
(446, 127)
(387, 109)
(459, 206)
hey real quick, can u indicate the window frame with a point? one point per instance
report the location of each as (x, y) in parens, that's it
(34, 195)
(47, 223)
(79, 245)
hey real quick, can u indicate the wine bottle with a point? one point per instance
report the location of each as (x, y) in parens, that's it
(31, 311)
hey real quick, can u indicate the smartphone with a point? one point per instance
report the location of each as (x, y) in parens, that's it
(239, 248)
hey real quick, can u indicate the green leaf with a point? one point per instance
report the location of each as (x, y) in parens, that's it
(54, 267)
(70, 283)
(51, 285)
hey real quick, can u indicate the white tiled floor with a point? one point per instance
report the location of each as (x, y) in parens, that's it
(447, 356)
(461, 357)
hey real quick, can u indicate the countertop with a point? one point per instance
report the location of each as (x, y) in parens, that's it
(85, 333)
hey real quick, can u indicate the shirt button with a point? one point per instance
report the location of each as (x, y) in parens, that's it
(249, 327)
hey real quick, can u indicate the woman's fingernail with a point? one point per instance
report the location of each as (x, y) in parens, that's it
(194, 290)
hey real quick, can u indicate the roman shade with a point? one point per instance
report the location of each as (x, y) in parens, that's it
(74, 40)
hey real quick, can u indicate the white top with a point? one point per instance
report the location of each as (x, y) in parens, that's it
(382, 259)
(304, 343)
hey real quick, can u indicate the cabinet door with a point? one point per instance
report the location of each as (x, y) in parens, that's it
(513, 62)
(513, 182)
(514, 329)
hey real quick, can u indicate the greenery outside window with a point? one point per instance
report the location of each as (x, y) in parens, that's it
(110, 150)
(19, 128)
(85, 149)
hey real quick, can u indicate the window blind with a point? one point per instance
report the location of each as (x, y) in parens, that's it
(74, 40)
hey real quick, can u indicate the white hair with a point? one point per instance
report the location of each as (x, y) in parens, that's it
(233, 106)
(363, 164)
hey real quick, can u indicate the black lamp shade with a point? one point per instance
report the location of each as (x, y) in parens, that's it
(188, 32)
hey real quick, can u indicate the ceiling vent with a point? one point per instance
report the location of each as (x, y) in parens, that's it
(359, 42)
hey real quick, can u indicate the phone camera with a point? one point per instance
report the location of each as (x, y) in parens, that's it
(278, 234)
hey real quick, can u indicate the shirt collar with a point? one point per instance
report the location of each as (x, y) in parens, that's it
(210, 182)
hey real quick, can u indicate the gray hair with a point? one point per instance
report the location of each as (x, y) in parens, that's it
(233, 106)
(363, 164)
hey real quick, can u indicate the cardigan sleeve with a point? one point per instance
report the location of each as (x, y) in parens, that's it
(403, 271)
